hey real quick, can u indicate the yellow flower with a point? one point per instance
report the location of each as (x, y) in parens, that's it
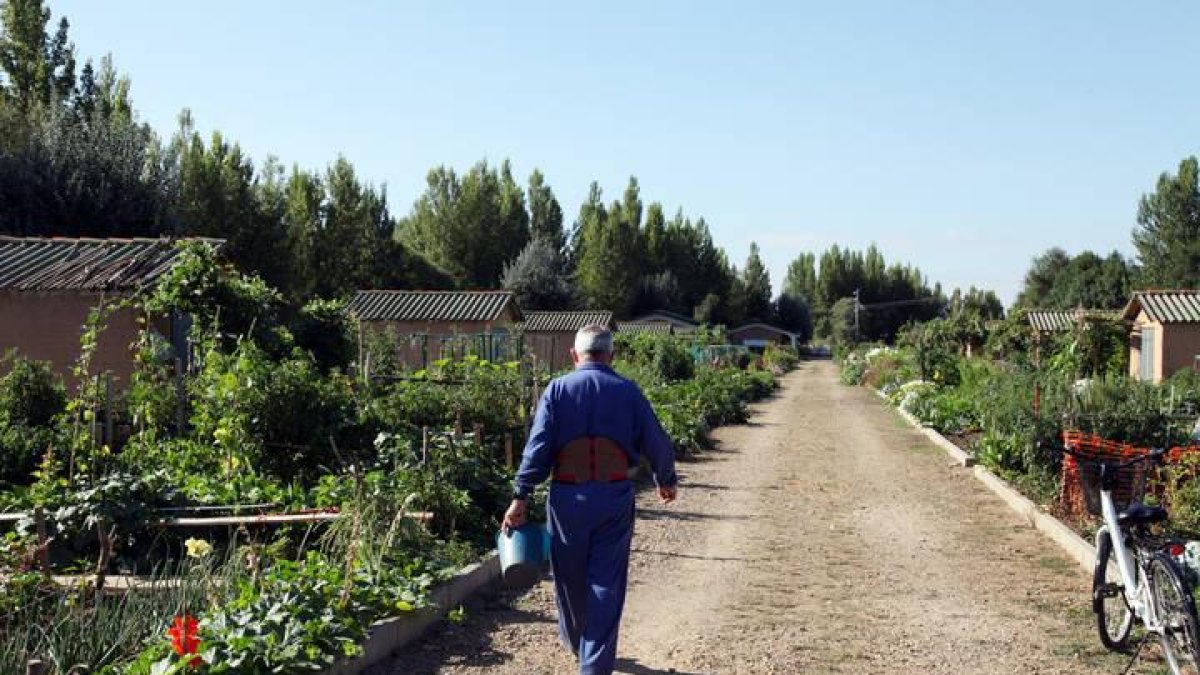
(197, 548)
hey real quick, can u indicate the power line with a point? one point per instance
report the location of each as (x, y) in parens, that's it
(896, 303)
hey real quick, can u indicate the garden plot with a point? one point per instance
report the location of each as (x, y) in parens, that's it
(346, 499)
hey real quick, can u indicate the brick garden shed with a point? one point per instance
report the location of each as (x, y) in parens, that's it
(645, 327)
(759, 335)
(680, 324)
(1164, 334)
(49, 286)
(550, 335)
(427, 325)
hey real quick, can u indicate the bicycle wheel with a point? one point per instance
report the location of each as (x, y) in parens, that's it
(1114, 619)
(1177, 613)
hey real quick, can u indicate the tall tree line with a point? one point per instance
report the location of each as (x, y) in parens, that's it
(75, 161)
(888, 296)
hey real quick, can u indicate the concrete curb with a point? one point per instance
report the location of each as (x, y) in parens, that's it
(391, 635)
(1067, 539)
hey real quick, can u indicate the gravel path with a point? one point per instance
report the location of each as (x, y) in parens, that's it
(824, 536)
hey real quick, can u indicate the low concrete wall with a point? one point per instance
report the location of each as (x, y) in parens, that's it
(391, 635)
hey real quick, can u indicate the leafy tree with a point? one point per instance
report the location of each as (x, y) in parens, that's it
(801, 281)
(1167, 236)
(1041, 277)
(470, 227)
(1057, 280)
(38, 68)
(98, 176)
(218, 197)
(545, 213)
(793, 314)
(757, 284)
(654, 236)
(538, 277)
(707, 312)
(890, 295)
(608, 251)
(655, 292)
(841, 323)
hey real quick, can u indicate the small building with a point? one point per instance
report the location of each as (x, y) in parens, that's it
(428, 325)
(645, 327)
(49, 286)
(549, 336)
(1050, 321)
(680, 324)
(1164, 334)
(757, 336)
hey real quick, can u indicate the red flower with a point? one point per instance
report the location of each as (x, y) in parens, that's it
(184, 634)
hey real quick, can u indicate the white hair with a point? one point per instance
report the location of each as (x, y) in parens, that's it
(594, 339)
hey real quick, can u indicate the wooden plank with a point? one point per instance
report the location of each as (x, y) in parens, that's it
(278, 519)
(270, 519)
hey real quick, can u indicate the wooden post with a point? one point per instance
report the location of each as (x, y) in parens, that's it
(508, 450)
(458, 426)
(424, 444)
(37, 667)
(108, 411)
(94, 427)
(39, 521)
(180, 397)
(478, 435)
(361, 355)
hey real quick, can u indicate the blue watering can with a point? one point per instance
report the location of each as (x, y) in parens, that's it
(522, 553)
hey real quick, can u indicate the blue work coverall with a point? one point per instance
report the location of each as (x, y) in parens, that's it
(591, 524)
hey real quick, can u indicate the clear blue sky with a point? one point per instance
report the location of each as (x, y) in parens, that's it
(963, 137)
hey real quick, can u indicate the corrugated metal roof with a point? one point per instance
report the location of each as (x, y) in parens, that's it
(669, 317)
(432, 305)
(652, 327)
(1165, 306)
(547, 322)
(44, 264)
(759, 324)
(1048, 321)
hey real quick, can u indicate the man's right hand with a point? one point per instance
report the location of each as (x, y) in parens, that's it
(516, 515)
(667, 494)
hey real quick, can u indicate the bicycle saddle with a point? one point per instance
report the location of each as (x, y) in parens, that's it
(1141, 514)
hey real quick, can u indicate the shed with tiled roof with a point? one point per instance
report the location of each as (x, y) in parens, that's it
(758, 335)
(651, 327)
(1058, 321)
(426, 325)
(49, 286)
(549, 335)
(1164, 333)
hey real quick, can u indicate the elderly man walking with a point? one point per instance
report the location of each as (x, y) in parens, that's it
(592, 426)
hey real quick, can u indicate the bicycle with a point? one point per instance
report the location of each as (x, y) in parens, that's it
(1146, 585)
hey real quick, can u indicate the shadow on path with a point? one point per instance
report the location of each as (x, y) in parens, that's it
(632, 667)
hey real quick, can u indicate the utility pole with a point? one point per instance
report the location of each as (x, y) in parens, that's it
(856, 308)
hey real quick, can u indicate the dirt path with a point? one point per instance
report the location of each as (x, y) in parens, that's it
(824, 536)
